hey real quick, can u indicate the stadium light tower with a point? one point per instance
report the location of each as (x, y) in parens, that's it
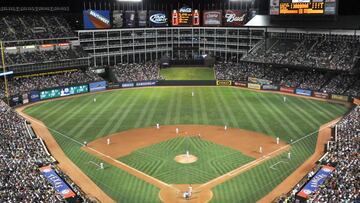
(129, 0)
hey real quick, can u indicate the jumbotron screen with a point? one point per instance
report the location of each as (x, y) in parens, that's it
(303, 7)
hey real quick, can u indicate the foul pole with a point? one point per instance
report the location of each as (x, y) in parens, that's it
(4, 70)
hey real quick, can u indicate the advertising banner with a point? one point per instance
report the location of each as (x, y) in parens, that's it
(212, 18)
(74, 90)
(126, 85)
(59, 185)
(66, 91)
(96, 19)
(25, 98)
(254, 86)
(34, 96)
(97, 86)
(271, 87)
(145, 83)
(357, 101)
(240, 84)
(287, 89)
(339, 97)
(223, 82)
(259, 81)
(316, 181)
(142, 18)
(234, 18)
(118, 20)
(158, 19)
(303, 92)
(15, 100)
(321, 95)
(130, 19)
(185, 16)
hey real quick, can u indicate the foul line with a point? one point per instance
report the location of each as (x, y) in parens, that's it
(279, 162)
(104, 155)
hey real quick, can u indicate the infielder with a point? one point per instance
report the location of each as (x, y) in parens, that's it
(101, 166)
(277, 140)
(157, 126)
(108, 141)
(177, 130)
(225, 128)
(94, 99)
(260, 149)
(289, 155)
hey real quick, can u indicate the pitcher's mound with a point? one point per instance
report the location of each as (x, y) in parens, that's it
(185, 159)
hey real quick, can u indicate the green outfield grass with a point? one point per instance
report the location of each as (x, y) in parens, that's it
(195, 73)
(213, 160)
(75, 120)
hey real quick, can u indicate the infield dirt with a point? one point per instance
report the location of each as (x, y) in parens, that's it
(124, 143)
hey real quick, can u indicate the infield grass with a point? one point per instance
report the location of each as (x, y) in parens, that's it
(79, 119)
(213, 160)
(195, 73)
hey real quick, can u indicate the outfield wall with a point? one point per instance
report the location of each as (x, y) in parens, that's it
(254, 83)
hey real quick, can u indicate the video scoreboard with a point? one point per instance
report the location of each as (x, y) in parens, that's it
(303, 7)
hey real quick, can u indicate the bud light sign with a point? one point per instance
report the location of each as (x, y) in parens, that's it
(158, 19)
(234, 18)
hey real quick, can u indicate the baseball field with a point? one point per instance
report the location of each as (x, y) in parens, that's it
(188, 73)
(145, 164)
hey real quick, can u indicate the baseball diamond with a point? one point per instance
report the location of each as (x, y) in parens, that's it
(179, 101)
(151, 152)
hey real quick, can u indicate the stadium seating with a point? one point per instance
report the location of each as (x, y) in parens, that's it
(344, 84)
(20, 158)
(22, 85)
(27, 27)
(311, 51)
(342, 153)
(136, 72)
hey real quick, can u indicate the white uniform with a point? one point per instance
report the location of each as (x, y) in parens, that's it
(94, 99)
(101, 166)
(261, 150)
(177, 130)
(108, 141)
(284, 99)
(277, 140)
(225, 127)
(192, 93)
(289, 155)
(157, 126)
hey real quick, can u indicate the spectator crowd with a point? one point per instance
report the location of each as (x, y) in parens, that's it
(343, 185)
(344, 84)
(15, 27)
(22, 85)
(20, 159)
(335, 52)
(136, 72)
(39, 56)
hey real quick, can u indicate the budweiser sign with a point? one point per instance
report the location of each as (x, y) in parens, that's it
(234, 18)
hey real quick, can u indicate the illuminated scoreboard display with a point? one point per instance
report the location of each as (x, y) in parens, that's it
(303, 7)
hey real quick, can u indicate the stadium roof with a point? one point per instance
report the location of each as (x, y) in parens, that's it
(341, 22)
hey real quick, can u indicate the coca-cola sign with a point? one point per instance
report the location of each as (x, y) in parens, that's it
(212, 18)
(234, 18)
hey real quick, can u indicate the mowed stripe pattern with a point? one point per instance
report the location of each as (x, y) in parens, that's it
(158, 160)
(85, 120)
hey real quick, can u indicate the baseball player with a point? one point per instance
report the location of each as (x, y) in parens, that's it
(277, 140)
(177, 130)
(192, 94)
(260, 149)
(94, 99)
(157, 126)
(108, 141)
(284, 99)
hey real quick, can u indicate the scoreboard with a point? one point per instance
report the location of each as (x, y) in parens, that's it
(303, 7)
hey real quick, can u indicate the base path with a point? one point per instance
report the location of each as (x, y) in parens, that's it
(286, 186)
(125, 143)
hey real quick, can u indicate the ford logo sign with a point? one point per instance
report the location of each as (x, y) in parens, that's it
(158, 18)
